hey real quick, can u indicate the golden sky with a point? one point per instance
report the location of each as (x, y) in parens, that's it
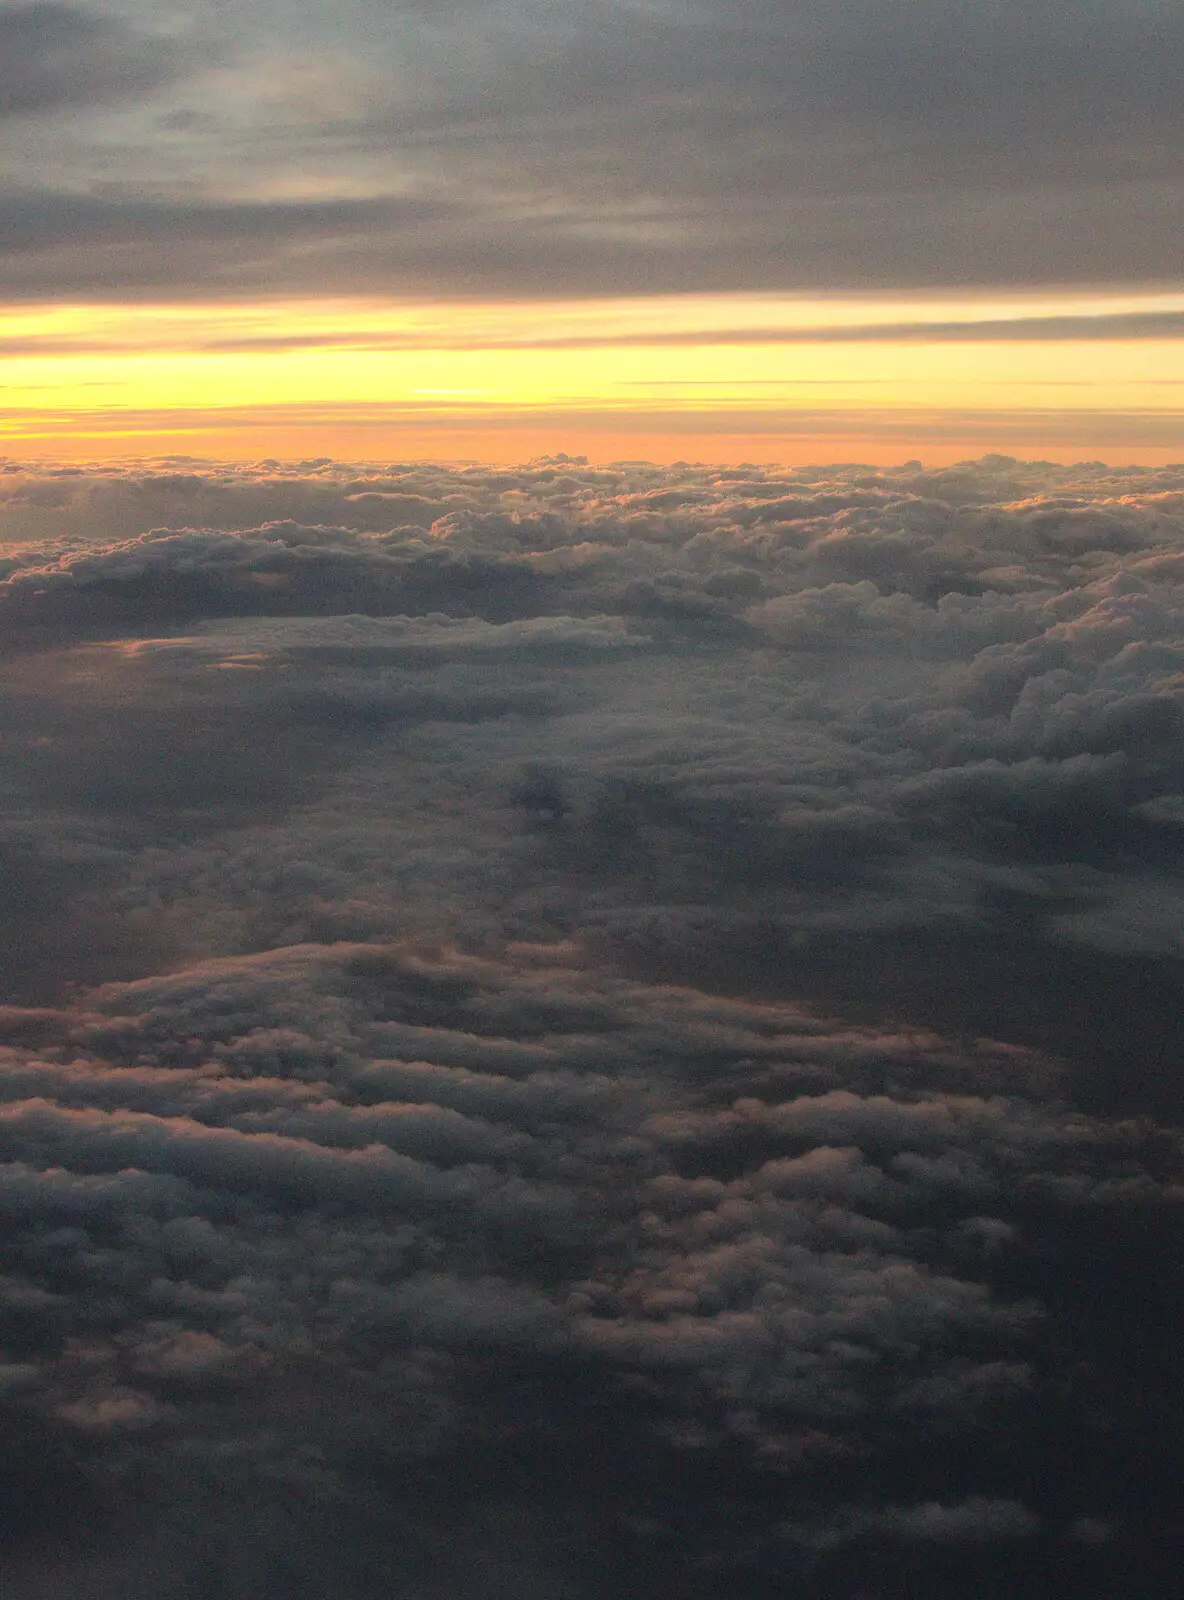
(745, 375)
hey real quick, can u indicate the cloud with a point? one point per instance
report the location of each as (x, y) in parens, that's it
(975, 1521)
(212, 1275)
(639, 1008)
(61, 58)
(652, 149)
(1022, 327)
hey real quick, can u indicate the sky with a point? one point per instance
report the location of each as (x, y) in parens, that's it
(777, 232)
(591, 801)
(591, 1033)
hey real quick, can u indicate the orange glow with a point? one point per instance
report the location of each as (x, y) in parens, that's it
(738, 376)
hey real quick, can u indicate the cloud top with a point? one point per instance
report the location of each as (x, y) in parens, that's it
(632, 1005)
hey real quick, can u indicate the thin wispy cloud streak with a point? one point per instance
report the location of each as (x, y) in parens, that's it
(1118, 325)
(1110, 326)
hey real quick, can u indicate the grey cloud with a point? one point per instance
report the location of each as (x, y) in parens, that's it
(776, 1296)
(370, 1175)
(436, 637)
(96, 248)
(654, 149)
(647, 1017)
(60, 57)
(975, 1521)
(984, 78)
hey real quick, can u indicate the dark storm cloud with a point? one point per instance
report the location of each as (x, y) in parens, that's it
(60, 57)
(651, 149)
(636, 1053)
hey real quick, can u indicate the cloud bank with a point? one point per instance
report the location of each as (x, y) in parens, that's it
(604, 1031)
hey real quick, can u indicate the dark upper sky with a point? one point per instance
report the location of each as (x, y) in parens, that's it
(538, 149)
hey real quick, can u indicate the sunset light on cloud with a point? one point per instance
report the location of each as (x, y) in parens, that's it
(591, 799)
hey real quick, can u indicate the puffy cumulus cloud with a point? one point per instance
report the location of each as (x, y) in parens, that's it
(265, 1229)
(984, 657)
(605, 1031)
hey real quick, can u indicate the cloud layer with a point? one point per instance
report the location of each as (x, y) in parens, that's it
(513, 150)
(599, 1031)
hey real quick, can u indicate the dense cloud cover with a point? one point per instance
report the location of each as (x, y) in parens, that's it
(591, 1031)
(610, 146)
(57, 56)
